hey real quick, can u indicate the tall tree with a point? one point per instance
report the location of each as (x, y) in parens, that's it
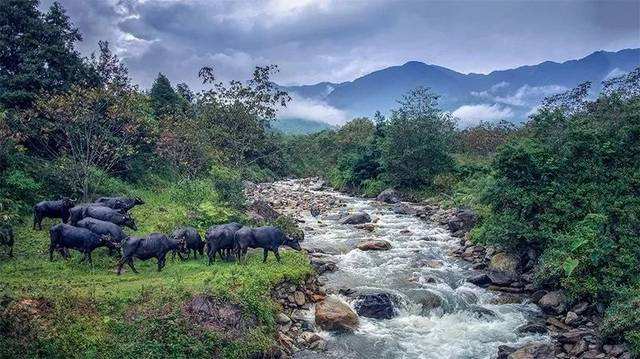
(417, 140)
(164, 99)
(36, 52)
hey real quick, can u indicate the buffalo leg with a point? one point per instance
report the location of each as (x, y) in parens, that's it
(130, 262)
(265, 253)
(89, 258)
(275, 251)
(51, 249)
(10, 251)
(120, 264)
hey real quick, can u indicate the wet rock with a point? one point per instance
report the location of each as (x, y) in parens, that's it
(572, 336)
(429, 302)
(404, 208)
(430, 263)
(553, 302)
(375, 305)
(504, 351)
(480, 280)
(482, 312)
(536, 328)
(370, 227)
(580, 308)
(333, 314)
(579, 348)
(533, 350)
(389, 195)
(506, 298)
(374, 245)
(356, 218)
(499, 278)
(504, 262)
(463, 220)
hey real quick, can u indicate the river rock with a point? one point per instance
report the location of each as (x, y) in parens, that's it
(499, 278)
(571, 318)
(462, 220)
(282, 318)
(480, 280)
(482, 312)
(375, 305)
(356, 218)
(374, 245)
(553, 302)
(389, 195)
(504, 262)
(533, 350)
(404, 208)
(536, 328)
(370, 227)
(429, 302)
(334, 314)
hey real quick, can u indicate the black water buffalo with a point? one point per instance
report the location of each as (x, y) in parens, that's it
(52, 209)
(64, 236)
(102, 213)
(6, 238)
(192, 239)
(103, 227)
(123, 203)
(221, 238)
(155, 245)
(267, 238)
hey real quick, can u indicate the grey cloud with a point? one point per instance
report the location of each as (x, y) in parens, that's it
(330, 40)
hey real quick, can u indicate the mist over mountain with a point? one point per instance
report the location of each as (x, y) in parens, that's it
(500, 95)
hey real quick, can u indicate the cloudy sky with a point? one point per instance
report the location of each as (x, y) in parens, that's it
(322, 40)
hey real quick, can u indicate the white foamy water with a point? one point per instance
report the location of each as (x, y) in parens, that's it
(417, 265)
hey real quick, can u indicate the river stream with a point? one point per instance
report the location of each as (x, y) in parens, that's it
(470, 323)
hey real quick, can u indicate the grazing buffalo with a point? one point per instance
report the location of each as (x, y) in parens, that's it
(267, 238)
(192, 239)
(6, 238)
(52, 209)
(122, 203)
(103, 228)
(221, 238)
(155, 245)
(102, 213)
(64, 236)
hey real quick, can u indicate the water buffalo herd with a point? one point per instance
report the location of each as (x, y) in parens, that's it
(88, 226)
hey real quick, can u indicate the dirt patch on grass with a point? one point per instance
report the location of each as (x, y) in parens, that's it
(226, 319)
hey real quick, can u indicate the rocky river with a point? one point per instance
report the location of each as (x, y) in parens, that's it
(394, 266)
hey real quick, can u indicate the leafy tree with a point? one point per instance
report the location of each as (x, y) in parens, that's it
(36, 53)
(164, 99)
(418, 136)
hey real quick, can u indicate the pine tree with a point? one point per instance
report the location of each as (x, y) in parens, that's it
(164, 100)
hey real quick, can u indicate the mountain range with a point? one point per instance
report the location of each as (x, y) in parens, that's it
(500, 95)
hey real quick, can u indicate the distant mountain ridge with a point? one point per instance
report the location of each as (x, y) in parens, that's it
(504, 94)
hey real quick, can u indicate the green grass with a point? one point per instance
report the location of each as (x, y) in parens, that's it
(78, 310)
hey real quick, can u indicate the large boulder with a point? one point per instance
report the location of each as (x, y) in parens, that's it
(429, 302)
(389, 195)
(462, 220)
(553, 302)
(356, 218)
(334, 314)
(534, 350)
(504, 262)
(374, 245)
(375, 305)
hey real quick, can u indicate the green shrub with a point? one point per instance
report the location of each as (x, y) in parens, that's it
(373, 187)
(228, 184)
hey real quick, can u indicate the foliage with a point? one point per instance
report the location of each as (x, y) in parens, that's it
(228, 184)
(417, 141)
(571, 188)
(37, 53)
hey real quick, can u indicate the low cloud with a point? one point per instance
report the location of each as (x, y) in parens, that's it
(525, 95)
(471, 115)
(313, 110)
